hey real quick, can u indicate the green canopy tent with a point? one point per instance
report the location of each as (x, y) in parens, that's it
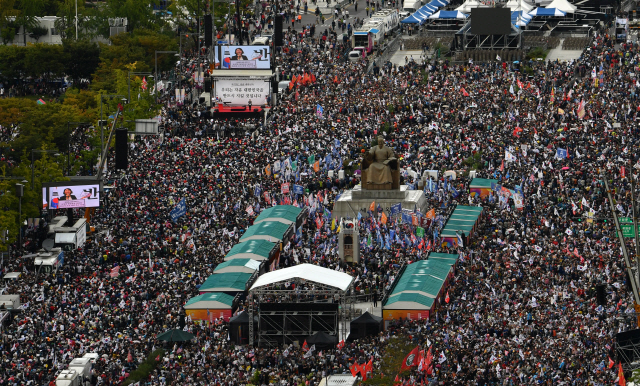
(175, 335)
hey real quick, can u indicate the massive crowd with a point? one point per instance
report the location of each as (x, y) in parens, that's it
(522, 305)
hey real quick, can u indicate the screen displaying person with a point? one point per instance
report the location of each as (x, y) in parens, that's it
(68, 195)
(239, 55)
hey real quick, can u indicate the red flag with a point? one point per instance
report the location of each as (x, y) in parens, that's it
(354, 369)
(520, 85)
(363, 371)
(158, 358)
(464, 92)
(335, 79)
(622, 172)
(341, 345)
(621, 380)
(516, 131)
(313, 78)
(502, 166)
(397, 378)
(305, 346)
(611, 363)
(446, 298)
(369, 366)
(294, 79)
(410, 360)
(129, 357)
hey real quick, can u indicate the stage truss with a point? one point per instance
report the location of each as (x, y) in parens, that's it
(465, 40)
(290, 325)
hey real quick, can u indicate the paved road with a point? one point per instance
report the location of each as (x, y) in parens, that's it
(327, 11)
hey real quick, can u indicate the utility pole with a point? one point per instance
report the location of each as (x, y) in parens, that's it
(635, 220)
(632, 278)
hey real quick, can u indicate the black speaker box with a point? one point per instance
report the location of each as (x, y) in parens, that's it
(122, 148)
(601, 294)
(208, 31)
(277, 32)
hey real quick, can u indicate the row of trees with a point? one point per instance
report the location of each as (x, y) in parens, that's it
(44, 128)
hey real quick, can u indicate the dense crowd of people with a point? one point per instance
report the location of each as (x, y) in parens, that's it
(522, 306)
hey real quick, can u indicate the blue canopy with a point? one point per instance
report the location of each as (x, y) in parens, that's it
(448, 15)
(547, 12)
(439, 3)
(412, 20)
(520, 18)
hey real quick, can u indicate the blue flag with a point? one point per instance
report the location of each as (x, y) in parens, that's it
(179, 211)
(256, 191)
(396, 209)
(561, 153)
(298, 189)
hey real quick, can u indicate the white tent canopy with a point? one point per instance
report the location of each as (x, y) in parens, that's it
(468, 4)
(563, 5)
(308, 272)
(516, 5)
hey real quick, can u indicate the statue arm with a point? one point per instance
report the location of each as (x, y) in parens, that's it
(367, 160)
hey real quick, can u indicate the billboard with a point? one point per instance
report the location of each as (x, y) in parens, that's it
(65, 195)
(238, 92)
(243, 57)
(490, 21)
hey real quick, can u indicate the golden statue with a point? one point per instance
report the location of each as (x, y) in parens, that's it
(380, 168)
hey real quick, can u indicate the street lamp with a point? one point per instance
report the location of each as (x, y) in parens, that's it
(33, 151)
(78, 124)
(156, 63)
(136, 73)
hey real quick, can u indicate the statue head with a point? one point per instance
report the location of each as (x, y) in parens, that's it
(380, 141)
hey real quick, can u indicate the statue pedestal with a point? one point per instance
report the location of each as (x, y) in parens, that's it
(357, 200)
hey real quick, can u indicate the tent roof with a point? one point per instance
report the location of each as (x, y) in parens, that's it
(252, 249)
(562, 5)
(547, 12)
(367, 318)
(265, 230)
(516, 5)
(213, 301)
(284, 213)
(322, 337)
(238, 265)
(448, 15)
(481, 183)
(308, 272)
(409, 301)
(468, 4)
(229, 281)
(425, 277)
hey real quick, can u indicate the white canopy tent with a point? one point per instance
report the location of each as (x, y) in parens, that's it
(516, 5)
(308, 272)
(563, 5)
(468, 4)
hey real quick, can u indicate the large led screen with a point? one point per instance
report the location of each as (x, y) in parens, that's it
(66, 195)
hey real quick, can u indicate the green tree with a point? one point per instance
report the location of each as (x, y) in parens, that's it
(44, 60)
(29, 10)
(8, 27)
(139, 14)
(81, 59)
(12, 64)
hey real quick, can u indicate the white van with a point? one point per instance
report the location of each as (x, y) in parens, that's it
(355, 56)
(11, 277)
(283, 85)
(261, 41)
(411, 6)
